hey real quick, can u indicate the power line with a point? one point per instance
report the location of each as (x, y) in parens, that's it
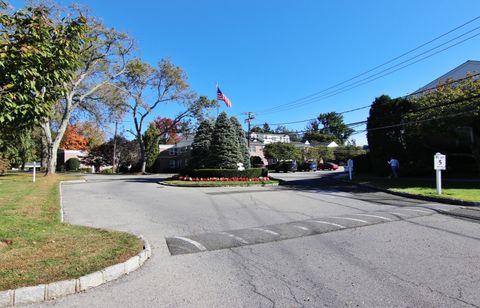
(369, 79)
(412, 122)
(405, 96)
(314, 96)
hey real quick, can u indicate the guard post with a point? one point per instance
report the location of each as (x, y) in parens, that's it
(439, 164)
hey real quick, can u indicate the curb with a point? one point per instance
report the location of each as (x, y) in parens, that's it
(240, 185)
(415, 196)
(45, 292)
(62, 213)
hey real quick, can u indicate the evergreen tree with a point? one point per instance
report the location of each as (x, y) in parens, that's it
(242, 142)
(201, 145)
(152, 140)
(224, 147)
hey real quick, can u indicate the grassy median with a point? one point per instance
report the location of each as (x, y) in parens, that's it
(219, 183)
(36, 248)
(468, 189)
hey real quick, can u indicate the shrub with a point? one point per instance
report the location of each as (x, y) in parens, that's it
(107, 171)
(228, 173)
(256, 161)
(363, 164)
(73, 164)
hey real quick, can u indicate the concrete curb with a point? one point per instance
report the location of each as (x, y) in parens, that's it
(414, 196)
(203, 186)
(44, 292)
(62, 213)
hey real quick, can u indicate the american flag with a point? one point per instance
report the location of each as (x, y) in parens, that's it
(223, 97)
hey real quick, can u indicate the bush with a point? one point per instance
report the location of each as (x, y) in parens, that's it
(73, 164)
(256, 161)
(362, 164)
(228, 173)
(107, 171)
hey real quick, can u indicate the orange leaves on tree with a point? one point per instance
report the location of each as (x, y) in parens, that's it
(72, 140)
(169, 129)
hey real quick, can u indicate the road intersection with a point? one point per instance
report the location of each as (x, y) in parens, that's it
(312, 242)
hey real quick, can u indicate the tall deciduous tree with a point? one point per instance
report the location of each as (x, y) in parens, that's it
(92, 132)
(224, 149)
(91, 92)
(446, 120)
(39, 53)
(168, 83)
(242, 142)
(333, 129)
(201, 145)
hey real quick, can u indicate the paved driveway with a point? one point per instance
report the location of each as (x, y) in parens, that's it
(308, 244)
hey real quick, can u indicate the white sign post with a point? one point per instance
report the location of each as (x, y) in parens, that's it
(350, 168)
(439, 164)
(34, 171)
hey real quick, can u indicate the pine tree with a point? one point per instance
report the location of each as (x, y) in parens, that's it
(224, 150)
(242, 142)
(152, 138)
(201, 145)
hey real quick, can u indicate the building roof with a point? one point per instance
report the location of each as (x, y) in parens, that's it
(268, 134)
(459, 72)
(301, 144)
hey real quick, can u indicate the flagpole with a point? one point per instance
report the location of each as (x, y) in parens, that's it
(218, 105)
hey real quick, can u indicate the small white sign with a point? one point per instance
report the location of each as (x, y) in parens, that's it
(439, 162)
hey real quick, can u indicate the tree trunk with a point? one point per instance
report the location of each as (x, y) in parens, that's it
(143, 157)
(52, 146)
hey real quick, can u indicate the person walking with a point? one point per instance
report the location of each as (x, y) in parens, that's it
(394, 165)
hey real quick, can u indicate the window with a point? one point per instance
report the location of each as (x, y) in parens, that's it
(172, 163)
(172, 151)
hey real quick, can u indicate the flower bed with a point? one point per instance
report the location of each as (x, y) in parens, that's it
(187, 178)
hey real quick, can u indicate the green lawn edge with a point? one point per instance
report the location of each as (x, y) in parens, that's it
(43, 249)
(458, 190)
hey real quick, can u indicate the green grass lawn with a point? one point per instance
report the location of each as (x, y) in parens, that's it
(468, 190)
(219, 183)
(44, 250)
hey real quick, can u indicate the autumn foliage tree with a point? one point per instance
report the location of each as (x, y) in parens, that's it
(72, 140)
(168, 129)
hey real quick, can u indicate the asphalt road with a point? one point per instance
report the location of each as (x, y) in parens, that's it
(311, 243)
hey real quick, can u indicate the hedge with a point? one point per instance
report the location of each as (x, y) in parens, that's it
(227, 173)
(73, 164)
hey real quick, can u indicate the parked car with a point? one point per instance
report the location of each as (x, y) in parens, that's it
(308, 166)
(286, 166)
(328, 166)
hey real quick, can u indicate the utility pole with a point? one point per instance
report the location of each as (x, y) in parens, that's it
(114, 147)
(250, 117)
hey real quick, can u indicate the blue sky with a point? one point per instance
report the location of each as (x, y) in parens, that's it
(268, 53)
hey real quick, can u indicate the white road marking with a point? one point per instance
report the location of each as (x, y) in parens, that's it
(238, 238)
(266, 231)
(381, 217)
(329, 223)
(399, 214)
(194, 243)
(352, 219)
(415, 210)
(301, 228)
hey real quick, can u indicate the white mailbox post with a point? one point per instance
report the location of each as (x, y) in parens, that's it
(350, 168)
(439, 164)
